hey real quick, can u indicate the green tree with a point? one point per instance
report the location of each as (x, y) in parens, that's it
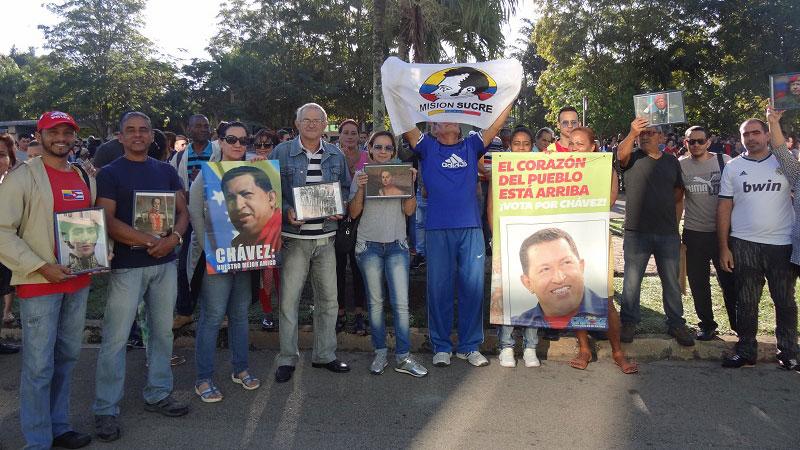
(12, 83)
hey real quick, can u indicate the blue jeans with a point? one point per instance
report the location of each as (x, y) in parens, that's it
(302, 258)
(52, 332)
(220, 294)
(455, 257)
(419, 216)
(529, 337)
(637, 248)
(157, 286)
(379, 262)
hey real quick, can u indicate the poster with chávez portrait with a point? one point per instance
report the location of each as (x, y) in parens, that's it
(243, 215)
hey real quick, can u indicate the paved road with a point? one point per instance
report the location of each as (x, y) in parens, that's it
(668, 405)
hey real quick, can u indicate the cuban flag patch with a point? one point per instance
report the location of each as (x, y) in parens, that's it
(72, 195)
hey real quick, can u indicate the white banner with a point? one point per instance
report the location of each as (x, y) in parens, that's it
(470, 93)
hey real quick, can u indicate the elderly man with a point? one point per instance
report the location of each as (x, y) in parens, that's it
(454, 244)
(654, 189)
(308, 245)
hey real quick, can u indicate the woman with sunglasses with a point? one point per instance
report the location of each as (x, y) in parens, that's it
(264, 142)
(223, 293)
(356, 159)
(382, 254)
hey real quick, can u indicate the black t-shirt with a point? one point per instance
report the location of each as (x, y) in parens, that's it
(649, 193)
(118, 181)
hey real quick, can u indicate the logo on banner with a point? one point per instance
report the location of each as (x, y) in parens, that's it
(470, 86)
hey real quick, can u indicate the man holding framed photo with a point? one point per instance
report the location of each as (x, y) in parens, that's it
(143, 269)
(308, 246)
(52, 299)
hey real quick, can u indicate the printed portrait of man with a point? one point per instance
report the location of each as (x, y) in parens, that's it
(81, 235)
(553, 271)
(388, 188)
(462, 82)
(252, 206)
(155, 216)
(789, 99)
(659, 109)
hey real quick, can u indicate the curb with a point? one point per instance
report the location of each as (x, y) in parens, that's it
(651, 347)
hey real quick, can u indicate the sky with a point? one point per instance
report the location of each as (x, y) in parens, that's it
(167, 24)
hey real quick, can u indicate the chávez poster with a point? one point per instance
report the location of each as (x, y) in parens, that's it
(243, 215)
(550, 222)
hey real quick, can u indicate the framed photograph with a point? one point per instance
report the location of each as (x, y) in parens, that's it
(315, 201)
(389, 181)
(785, 90)
(154, 212)
(660, 108)
(82, 240)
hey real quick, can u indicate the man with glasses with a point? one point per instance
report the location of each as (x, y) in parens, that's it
(567, 121)
(702, 172)
(308, 248)
(654, 196)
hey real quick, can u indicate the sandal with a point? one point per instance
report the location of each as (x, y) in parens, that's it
(248, 381)
(209, 395)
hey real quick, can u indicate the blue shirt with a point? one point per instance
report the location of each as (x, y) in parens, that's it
(118, 181)
(450, 173)
(592, 314)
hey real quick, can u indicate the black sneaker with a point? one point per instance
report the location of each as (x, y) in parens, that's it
(788, 363)
(682, 335)
(627, 332)
(268, 324)
(736, 361)
(705, 335)
(72, 439)
(168, 407)
(106, 428)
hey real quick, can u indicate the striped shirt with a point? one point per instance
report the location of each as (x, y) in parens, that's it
(312, 229)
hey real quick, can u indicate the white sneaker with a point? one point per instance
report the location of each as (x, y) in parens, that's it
(441, 359)
(530, 358)
(474, 357)
(507, 357)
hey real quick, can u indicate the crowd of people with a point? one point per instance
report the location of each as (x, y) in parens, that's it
(737, 213)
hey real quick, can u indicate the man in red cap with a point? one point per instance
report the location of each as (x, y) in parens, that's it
(52, 300)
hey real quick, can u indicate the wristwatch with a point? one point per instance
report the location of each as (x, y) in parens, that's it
(180, 238)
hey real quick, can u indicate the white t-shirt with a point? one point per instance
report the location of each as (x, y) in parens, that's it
(762, 202)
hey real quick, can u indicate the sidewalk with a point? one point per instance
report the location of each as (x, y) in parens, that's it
(646, 347)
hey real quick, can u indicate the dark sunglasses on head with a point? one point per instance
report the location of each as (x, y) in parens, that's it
(263, 145)
(696, 141)
(231, 139)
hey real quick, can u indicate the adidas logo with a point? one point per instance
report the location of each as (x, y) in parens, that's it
(454, 162)
(743, 174)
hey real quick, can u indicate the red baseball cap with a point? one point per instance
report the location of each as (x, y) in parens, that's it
(53, 118)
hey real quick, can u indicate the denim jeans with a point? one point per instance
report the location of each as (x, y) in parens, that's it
(52, 332)
(419, 216)
(379, 262)
(302, 258)
(637, 248)
(220, 294)
(455, 258)
(157, 286)
(505, 338)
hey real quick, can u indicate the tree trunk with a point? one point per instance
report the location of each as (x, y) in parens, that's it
(378, 56)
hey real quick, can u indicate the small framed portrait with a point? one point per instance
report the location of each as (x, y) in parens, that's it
(785, 90)
(154, 212)
(389, 180)
(316, 201)
(82, 240)
(660, 108)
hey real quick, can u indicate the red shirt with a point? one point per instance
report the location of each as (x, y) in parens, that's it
(69, 193)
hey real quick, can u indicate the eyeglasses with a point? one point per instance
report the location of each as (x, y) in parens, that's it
(263, 145)
(570, 123)
(383, 148)
(231, 139)
(307, 122)
(696, 141)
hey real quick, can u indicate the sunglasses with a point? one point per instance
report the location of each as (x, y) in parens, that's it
(231, 139)
(380, 148)
(263, 145)
(696, 141)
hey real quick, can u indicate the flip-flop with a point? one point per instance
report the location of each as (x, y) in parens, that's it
(578, 363)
